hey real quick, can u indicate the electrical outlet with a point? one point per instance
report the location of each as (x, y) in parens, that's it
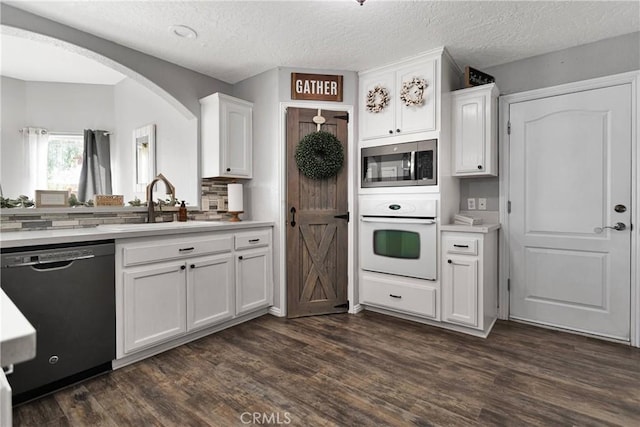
(482, 204)
(471, 203)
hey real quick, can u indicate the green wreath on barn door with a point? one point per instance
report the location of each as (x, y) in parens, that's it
(319, 155)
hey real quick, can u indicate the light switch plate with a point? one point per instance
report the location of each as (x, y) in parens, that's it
(482, 204)
(471, 203)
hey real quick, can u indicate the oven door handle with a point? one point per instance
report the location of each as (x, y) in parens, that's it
(399, 220)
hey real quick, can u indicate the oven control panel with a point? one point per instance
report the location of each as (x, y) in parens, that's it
(402, 206)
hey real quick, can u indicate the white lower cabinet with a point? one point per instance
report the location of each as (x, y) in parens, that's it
(170, 287)
(209, 291)
(460, 290)
(154, 308)
(469, 279)
(253, 280)
(402, 294)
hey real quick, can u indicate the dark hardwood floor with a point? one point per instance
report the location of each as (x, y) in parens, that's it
(367, 369)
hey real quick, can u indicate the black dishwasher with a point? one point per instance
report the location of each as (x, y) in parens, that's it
(67, 292)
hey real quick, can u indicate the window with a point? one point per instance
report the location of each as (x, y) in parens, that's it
(64, 161)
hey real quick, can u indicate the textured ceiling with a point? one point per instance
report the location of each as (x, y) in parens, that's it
(239, 39)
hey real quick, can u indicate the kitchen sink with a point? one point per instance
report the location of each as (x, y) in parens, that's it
(158, 225)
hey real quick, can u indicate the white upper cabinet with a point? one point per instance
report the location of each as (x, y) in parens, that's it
(398, 117)
(226, 135)
(475, 127)
(382, 123)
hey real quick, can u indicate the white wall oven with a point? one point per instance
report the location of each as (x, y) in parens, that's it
(398, 236)
(411, 163)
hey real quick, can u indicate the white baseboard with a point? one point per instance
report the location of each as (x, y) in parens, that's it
(356, 309)
(276, 311)
(469, 331)
(160, 348)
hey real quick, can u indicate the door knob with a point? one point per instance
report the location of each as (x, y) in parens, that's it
(619, 226)
(620, 208)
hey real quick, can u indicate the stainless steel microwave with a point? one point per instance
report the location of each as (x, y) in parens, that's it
(410, 163)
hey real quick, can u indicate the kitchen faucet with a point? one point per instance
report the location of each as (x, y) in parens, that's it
(170, 190)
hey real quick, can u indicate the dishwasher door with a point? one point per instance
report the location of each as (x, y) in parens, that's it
(68, 295)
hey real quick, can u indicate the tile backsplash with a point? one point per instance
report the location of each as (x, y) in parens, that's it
(214, 205)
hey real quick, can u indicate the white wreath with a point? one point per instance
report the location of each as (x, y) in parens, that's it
(413, 92)
(377, 99)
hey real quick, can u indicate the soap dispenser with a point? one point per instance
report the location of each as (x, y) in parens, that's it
(182, 212)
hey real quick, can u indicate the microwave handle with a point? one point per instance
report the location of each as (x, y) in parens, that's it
(398, 220)
(414, 166)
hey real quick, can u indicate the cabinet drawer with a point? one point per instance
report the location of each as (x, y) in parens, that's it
(252, 239)
(464, 246)
(159, 250)
(405, 297)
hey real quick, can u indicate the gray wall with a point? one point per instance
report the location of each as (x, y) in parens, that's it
(261, 194)
(606, 57)
(603, 58)
(57, 107)
(176, 143)
(184, 85)
(69, 107)
(349, 85)
(13, 174)
(263, 198)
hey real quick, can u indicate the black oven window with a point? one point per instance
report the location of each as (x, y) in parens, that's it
(396, 244)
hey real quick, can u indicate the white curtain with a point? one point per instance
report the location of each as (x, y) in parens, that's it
(34, 146)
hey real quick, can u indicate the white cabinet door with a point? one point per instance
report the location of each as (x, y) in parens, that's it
(236, 137)
(460, 290)
(209, 290)
(398, 119)
(254, 281)
(469, 134)
(154, 304)
(422, 117)
(474, 124)
(382, 123)
(226, 136)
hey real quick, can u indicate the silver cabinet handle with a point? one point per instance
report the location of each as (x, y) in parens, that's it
(254, 240)
(619, 226)
(186, 249)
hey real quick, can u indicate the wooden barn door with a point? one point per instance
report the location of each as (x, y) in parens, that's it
(317, 216)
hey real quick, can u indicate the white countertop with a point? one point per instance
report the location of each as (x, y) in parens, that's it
(482, 228)
(17, 336)
(16, 239)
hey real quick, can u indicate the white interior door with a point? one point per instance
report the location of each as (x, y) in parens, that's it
(570, 167)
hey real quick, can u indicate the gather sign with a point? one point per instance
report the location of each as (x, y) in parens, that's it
(316, 87)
